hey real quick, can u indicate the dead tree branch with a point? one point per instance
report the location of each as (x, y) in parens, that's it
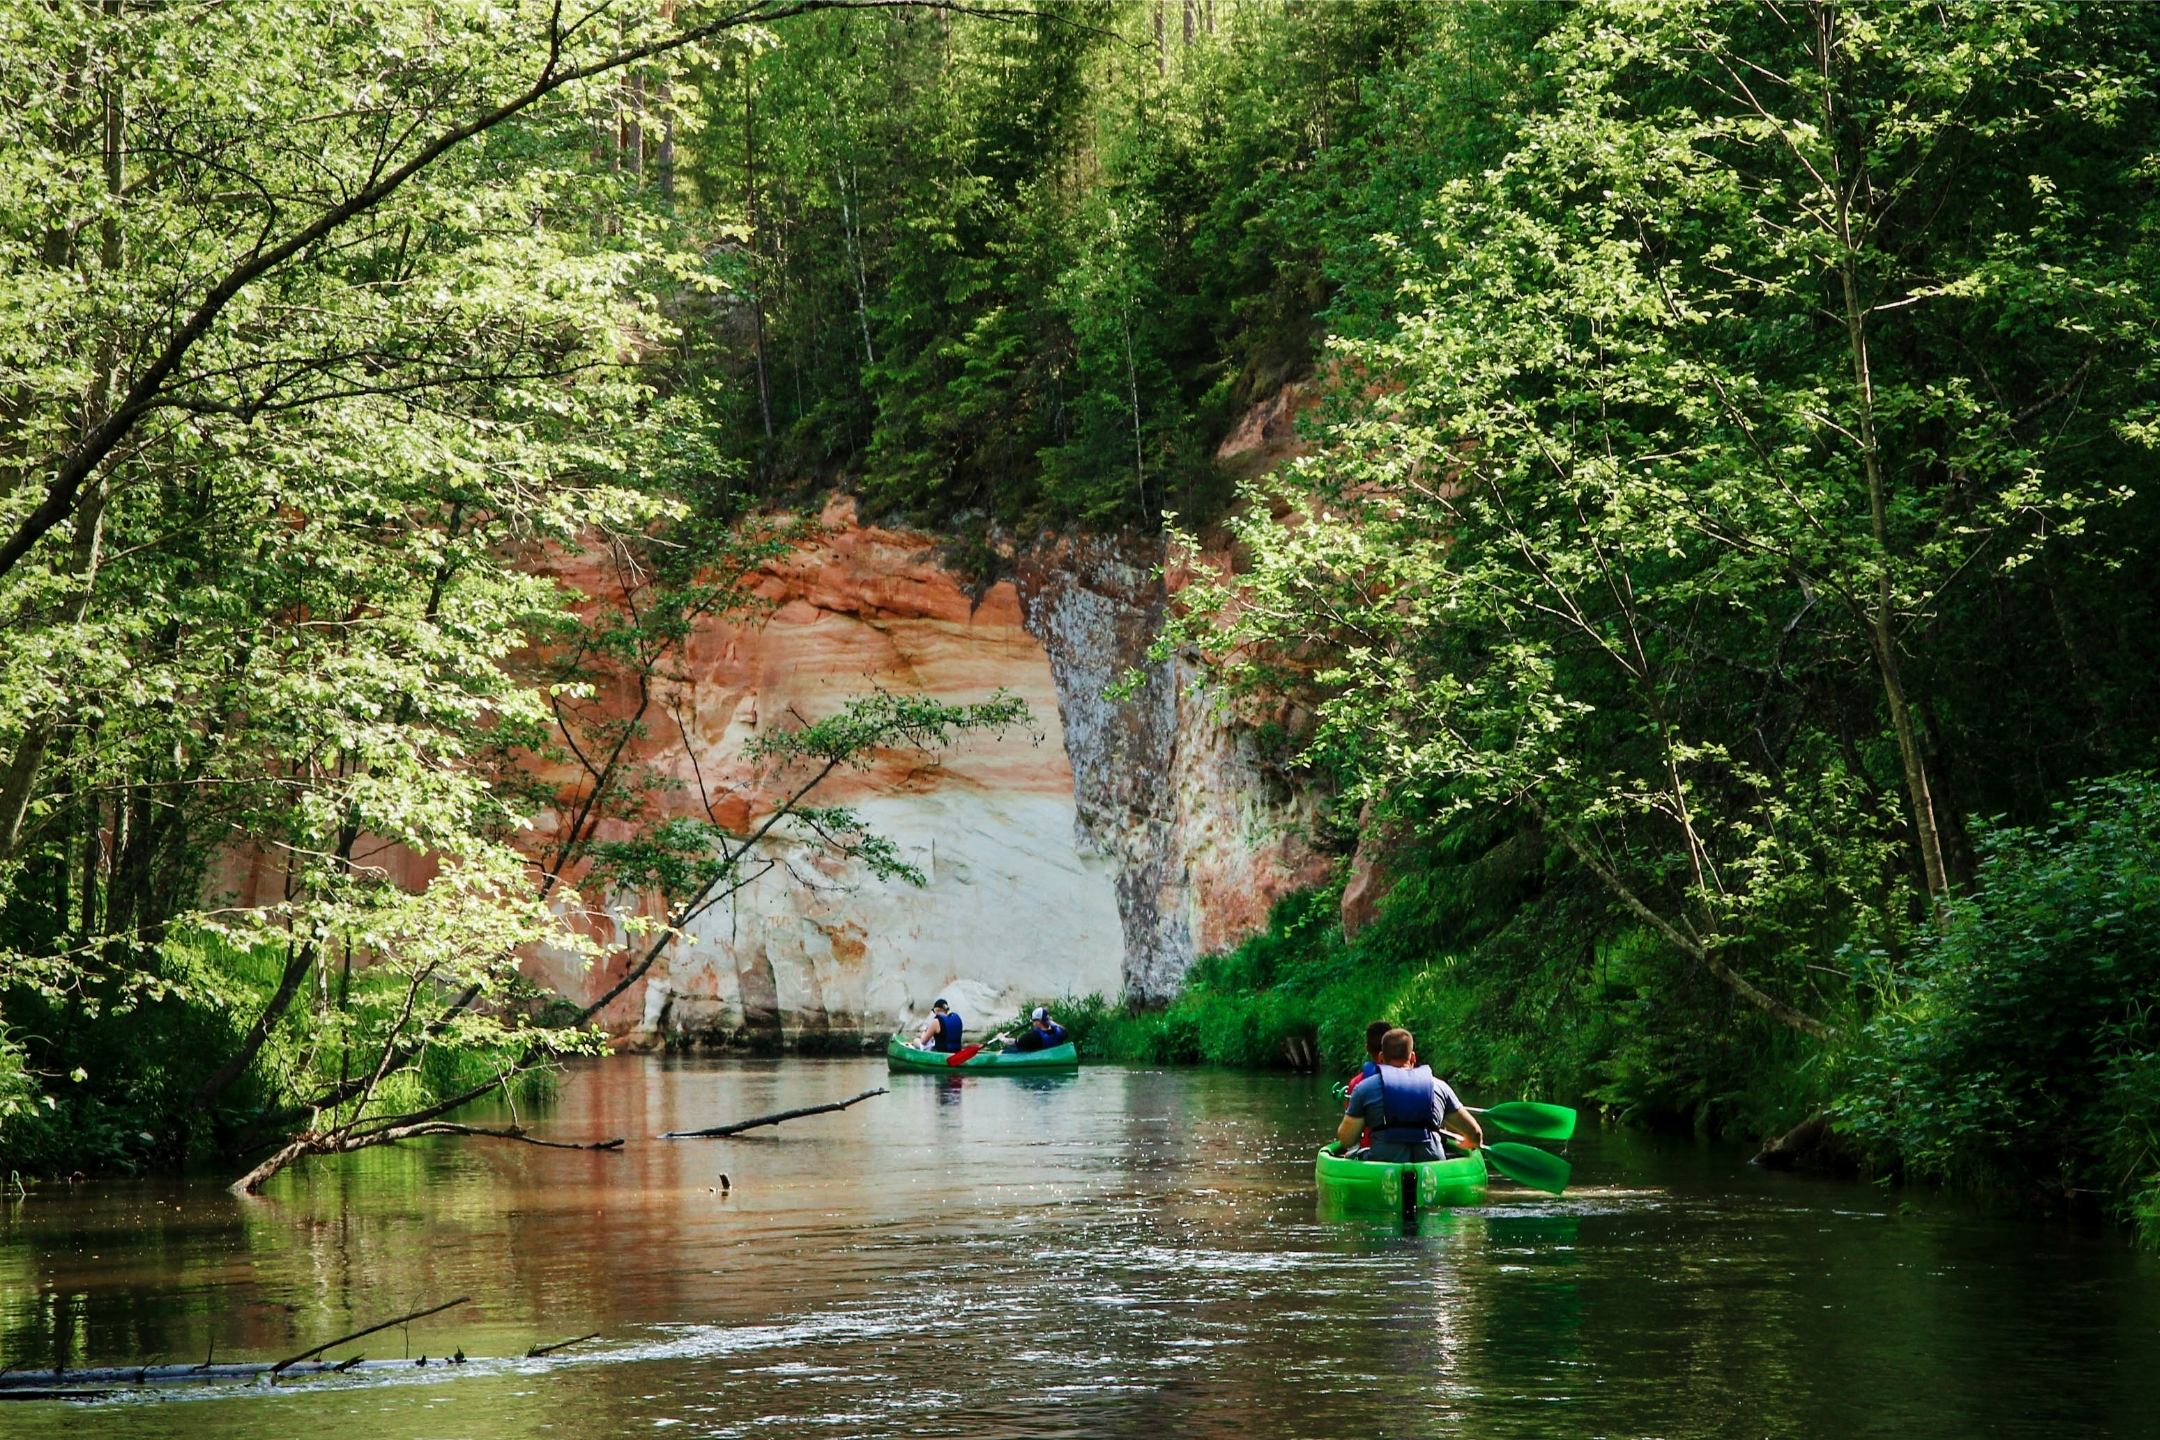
(742, 1125)
(385, 1325)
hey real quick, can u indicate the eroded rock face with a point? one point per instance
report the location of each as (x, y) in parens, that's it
(816, 952)
(1205, 836)
(1100, 853)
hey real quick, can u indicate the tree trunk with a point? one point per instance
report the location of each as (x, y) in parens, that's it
(633, 124)
(849, 229)
(1702, 954)
(19, 784)
(1132, 384)
(722, 1131)
(664, 154)
(307, 1143)
(1882, 634)
(750, 208)
(20, 781)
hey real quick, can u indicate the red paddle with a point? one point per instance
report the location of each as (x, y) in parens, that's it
(968, 1052)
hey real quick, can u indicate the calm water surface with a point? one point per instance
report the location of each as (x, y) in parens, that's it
(1121, 1253)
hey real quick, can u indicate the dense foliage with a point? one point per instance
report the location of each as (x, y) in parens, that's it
(1028, 275)
(328, 331)
(1739, 496)
(1502, 958)
(2021, 1043)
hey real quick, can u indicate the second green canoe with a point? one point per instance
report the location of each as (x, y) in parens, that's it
(899, 1055)
(1370, 1185)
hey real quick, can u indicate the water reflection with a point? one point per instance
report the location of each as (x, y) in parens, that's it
(1113, 1253)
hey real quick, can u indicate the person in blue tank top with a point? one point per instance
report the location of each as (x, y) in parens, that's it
(1042, 1033)
(941, 1032)
(1405, 1108)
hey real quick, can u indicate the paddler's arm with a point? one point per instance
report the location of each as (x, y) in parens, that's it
(1346, 1134)
(1462, 1123)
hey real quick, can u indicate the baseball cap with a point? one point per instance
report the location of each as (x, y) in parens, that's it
(1039, 1013)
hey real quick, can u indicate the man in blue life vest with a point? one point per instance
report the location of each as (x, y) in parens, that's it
(1405, 1108)
(1042, 1033)
(941, 1032)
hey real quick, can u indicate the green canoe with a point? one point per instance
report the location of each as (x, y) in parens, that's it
(1370, 1185)
(900, 1055)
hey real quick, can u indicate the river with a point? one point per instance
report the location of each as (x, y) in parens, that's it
(1120, 1253)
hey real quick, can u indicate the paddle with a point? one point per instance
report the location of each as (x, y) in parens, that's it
(968, 1052)
(1529, 1117)
(1520, 1117)
(1527, 1165)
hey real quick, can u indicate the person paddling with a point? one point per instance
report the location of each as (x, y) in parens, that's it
(941, 1032)
(1374, 1034)
(1406, 1108)
(1043, 1033)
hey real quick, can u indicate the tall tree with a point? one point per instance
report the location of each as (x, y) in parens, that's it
(1778, 331)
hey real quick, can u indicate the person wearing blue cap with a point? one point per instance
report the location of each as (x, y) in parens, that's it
(941, 1032)
(1042, 1033)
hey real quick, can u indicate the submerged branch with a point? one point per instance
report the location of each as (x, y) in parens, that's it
(370, 1330)
(742, 1125)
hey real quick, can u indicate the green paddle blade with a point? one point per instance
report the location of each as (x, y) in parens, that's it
(1527, 1165)
(1528, 1117)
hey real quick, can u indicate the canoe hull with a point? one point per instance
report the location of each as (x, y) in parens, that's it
(1370, 1186)
(899, 1055)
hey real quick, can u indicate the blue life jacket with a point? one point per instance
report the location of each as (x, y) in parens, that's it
(1055, 1035)
(1406, 1100)
(948, 1036)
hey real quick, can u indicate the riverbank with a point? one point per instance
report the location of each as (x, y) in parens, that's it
(2010, 1054)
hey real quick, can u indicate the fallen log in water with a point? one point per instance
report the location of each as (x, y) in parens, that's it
(284, 1365)
(741, 1125)
(31, 1384)
(17, 1384)
(94, 1381)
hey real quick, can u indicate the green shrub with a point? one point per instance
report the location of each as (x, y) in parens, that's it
(119, 1094)
(2021, 1045)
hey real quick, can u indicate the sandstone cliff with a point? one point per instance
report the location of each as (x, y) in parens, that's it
(1098, 854)
(1099, 851)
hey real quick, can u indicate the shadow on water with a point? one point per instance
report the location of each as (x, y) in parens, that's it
(951, 1088)
(1118, 1252)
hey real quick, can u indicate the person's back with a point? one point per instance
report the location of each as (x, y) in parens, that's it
(942, 1033)
(1374, 1034)
(1402, 1106)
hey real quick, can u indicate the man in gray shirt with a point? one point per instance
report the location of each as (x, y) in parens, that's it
(1406, 1108)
